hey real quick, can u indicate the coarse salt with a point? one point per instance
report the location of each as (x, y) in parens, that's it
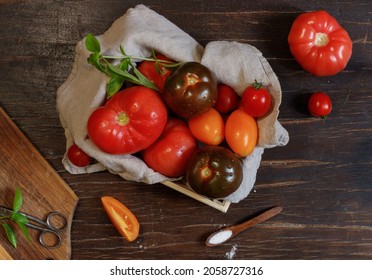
(220, 237)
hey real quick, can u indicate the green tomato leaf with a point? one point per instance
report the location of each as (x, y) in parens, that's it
(113, 86)
(122, 51)
(124, 65)
(92, 44)
(115, 71)
(94, 59)
(10, 235)
(143, 80)
(17, 202)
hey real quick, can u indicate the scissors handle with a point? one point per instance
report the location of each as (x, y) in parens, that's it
(49, 232)
(61, 219)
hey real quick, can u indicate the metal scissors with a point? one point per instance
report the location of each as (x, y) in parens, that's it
(46, 228)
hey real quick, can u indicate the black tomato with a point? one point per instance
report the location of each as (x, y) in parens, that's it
(214, 171)
(190, 90)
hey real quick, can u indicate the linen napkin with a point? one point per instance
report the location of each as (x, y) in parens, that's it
(139, 31)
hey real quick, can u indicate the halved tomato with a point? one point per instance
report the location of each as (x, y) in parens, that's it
(122, 218)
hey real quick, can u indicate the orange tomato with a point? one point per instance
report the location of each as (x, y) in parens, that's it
(241, 133)
(208, 127)
(122, 218)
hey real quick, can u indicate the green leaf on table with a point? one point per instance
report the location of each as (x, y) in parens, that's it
(92, 44)
(10, 235)
(18, 217)
(17, 202)
(24, 229)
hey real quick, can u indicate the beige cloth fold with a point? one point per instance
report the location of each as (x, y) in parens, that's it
(139, 31)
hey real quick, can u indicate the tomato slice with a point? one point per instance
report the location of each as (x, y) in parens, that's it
(121, 217)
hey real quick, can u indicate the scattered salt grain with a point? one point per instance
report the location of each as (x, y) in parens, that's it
(230, 255)
(220, 237)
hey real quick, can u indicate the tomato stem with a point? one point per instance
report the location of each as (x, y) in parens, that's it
(122, 119)
(257, 85)
(321, 39)
(206, 172)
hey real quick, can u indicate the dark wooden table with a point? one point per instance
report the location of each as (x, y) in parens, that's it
(322, 178)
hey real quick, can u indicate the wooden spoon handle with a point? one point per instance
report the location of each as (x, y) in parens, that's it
(259, 219)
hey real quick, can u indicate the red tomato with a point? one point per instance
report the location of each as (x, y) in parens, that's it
(129, 122)
(208, 127)
(170, 153)
(121, 217)
(241, 132)
(256, 100)
(77, 156)
(156, 73)
(319, 44)
(227, 99)
(320, 104)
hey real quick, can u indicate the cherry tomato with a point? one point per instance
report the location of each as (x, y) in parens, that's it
(129, 122)
(170, 153)
(190, 90)
(156, 72)
(214, 171)
(241, 132)
(121, 217)
(319, 44)
(256, 100)
(320, 105)
(227, 99)
(208, 127)
(77, 156)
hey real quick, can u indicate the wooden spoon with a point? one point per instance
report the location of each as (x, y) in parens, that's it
(227, 233)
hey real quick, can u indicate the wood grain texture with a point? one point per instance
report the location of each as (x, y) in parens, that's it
(42, 189)
(322, 178)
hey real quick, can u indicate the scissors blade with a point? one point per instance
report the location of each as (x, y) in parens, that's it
(5, 211)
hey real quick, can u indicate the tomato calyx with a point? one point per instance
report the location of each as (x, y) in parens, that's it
(257, 85)
(206, 172)
(122, 119)
(321, 39)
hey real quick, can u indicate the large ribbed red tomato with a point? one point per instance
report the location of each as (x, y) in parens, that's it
(319, 44)
(129, 122)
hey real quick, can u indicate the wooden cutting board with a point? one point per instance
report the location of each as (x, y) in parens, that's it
(43, 191)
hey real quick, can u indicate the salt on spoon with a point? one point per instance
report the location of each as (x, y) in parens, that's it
(227, 233)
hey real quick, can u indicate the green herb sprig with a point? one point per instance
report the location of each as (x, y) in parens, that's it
(124, 70)
(17, 217)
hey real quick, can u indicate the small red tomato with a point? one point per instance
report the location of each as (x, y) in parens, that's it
(256, 100)
(171, 152)
(156, 72)
(77, 156)
(227, 99)
(320, 105)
